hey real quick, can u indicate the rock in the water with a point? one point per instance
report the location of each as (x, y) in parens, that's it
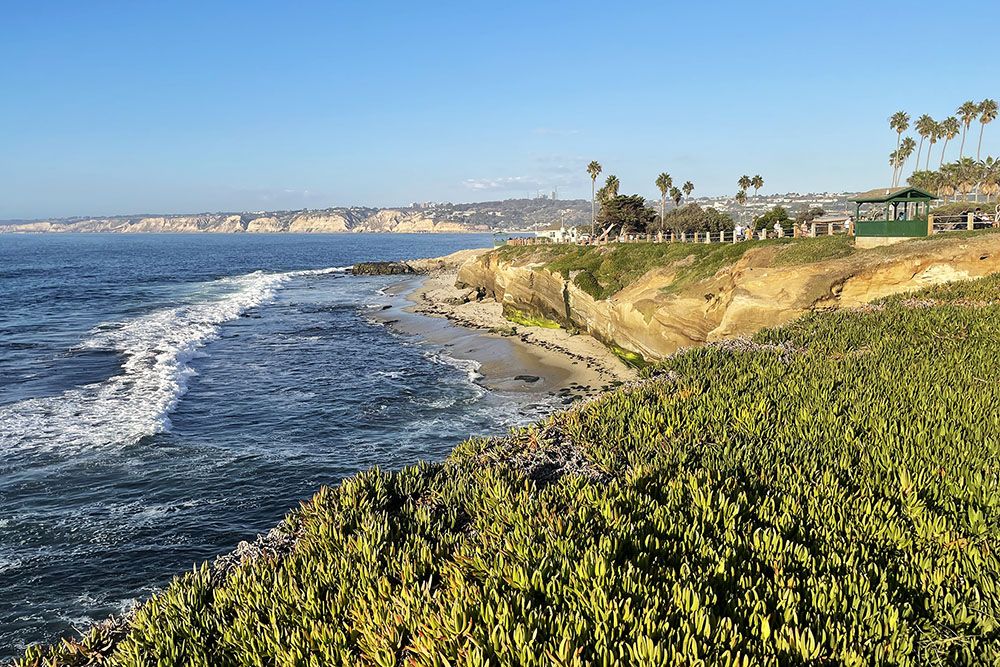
(527, 378)
(382, 269)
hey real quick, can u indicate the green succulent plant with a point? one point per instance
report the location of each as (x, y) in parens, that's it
(825, 492)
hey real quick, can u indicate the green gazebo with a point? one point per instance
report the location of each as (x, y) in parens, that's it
(889, 215)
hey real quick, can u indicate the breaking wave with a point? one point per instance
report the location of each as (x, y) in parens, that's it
(157, 349)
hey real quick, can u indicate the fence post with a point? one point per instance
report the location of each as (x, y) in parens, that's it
(971, 220)
(930, 224)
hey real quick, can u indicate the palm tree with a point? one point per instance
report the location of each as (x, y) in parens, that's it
(757, 182)
(984, 171)
(925, 128)
(967, 176)
(745, 182)
(676, 195)
(664, 183)
(987, 114)
(688, 188)
(894, 163)
(611, 184)
(948, 183)
(905, 151)
(949, 130)
(991, 178)
(609, 190)
(741, 199)
(899, 122)
(594, 169)
(967, 112)
(934, 135)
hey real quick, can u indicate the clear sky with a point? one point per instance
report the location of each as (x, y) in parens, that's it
(128, 107)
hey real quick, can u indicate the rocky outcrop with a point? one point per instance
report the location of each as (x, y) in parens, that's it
(381, 269)
(650, 318)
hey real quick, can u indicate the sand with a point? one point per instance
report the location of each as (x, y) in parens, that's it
(512, 357)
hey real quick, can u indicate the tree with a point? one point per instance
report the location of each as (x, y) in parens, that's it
(967, 113)
(628, 213)
(905, 151)
(741, 199)
(687, 188)
(949, 130)
(745, 182)
(676, 195)
(807, 215)
(693, 218)
(777, 214)
(936, 133)
(594, 169)
(966, 176)
(757, 182)
(608, 190)
(987, 114)
(991, 178)
(925, 180)
(899, 122)
(925, 128)
(663, 182)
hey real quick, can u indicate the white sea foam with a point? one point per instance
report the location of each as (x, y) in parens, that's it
(157, 349)
(469, 366)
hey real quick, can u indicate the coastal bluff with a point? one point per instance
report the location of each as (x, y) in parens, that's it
(672, 305)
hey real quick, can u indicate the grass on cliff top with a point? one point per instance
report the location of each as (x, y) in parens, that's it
(602, 271)
(825, 493)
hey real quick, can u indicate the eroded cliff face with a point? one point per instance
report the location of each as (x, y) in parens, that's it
(392, 220)
(651, 318)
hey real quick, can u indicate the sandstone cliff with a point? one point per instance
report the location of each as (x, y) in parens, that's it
(418, 218)
(654, 318)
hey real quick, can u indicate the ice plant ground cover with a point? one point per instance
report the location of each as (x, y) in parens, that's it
(828, 491)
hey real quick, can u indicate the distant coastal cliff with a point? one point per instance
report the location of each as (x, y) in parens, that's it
(423, 218)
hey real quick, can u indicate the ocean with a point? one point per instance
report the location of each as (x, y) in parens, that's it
(163, 397)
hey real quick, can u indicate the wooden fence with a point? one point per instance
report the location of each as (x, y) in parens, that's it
(812, 229)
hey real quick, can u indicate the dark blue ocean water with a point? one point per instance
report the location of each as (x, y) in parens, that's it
(163, 397)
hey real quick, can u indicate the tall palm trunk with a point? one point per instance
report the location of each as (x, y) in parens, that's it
(927, 163)
(944, 146)
(899, 137)
(979, 148)
(961, 149)
(920, 147)
(593, 210)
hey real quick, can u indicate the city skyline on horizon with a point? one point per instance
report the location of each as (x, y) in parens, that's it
(120, 110)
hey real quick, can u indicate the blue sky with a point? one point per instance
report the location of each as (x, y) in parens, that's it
(126, 107)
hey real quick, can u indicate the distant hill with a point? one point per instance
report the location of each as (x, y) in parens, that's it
(506, 215)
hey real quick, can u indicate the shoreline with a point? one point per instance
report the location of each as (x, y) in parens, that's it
(558, 362)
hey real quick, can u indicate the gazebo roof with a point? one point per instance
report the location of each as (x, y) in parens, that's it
(883, 195)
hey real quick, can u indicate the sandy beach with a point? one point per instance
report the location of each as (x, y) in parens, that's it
(512, 357)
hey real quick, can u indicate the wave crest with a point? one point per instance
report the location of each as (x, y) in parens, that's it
(157, 350)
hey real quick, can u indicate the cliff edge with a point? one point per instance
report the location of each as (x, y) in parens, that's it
(655, 299)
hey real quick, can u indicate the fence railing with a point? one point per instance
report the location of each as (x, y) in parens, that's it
(812, 229)
(937, 224)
